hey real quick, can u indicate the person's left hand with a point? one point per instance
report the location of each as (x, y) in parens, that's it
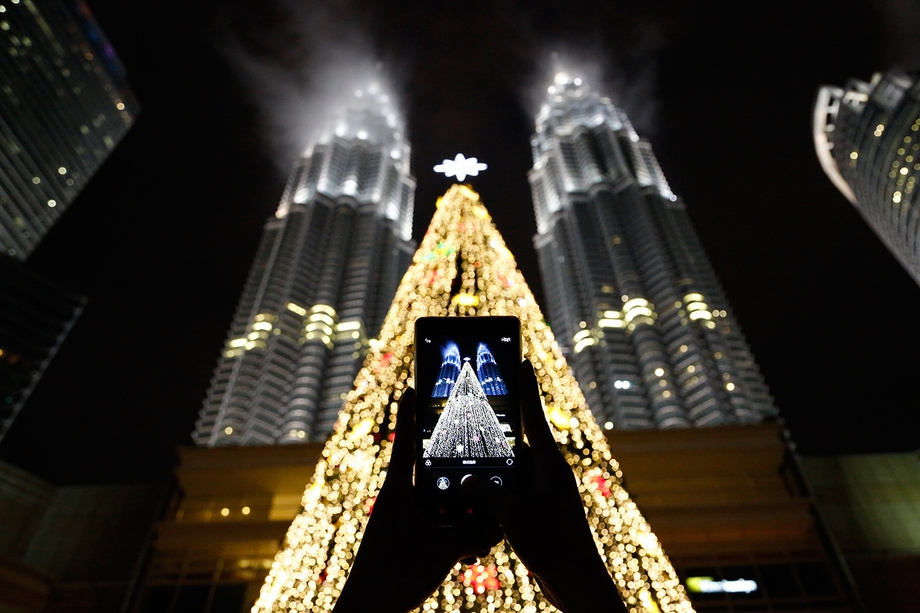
(402, 559)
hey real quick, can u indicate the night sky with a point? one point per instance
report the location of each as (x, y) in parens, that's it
(161, 240)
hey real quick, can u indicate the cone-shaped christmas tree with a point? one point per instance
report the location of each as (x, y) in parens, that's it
(461, 268)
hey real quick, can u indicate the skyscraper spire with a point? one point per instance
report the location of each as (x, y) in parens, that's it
(461, 268)
(325, 272)
(631, 295)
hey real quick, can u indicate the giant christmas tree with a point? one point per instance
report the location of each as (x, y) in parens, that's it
(462, 268)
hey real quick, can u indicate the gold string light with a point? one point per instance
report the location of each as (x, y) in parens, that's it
(461, 268)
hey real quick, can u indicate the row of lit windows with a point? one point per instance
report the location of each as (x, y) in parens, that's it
(320, 323)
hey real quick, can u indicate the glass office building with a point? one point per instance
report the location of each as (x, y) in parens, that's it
(64, 105)
(867, 141)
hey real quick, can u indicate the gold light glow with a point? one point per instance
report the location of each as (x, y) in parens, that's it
(462, 245)
(465, 300)
(636, 311)
(611, 319)
(559, 418)
(583, 339)
(260, 329)
(362, 428)
(323, 308)
(296, 308)
(320, 324)
(696, 307)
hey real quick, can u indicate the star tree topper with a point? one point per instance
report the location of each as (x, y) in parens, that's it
(460, 167)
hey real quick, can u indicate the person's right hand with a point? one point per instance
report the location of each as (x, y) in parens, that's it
(397, 538)
(545, 521)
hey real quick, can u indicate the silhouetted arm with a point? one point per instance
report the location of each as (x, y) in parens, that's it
(402, 559)
(546, 522)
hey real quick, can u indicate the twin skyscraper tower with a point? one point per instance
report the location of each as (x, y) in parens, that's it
(633, 301)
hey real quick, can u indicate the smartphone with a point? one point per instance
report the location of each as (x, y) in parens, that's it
(468, 418)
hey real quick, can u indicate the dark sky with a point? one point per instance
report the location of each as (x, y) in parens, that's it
(162, 238)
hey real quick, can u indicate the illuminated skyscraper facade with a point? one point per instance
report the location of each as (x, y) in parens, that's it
(630, 293)
(64, 105)
(867, 141)
(324, 276)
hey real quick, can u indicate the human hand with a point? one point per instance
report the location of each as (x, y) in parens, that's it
(397, 538)
(545, 522)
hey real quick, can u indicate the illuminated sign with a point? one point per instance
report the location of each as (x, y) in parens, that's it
(707, 585)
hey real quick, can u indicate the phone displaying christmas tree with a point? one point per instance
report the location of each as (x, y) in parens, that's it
(468, 427)
(462, 268)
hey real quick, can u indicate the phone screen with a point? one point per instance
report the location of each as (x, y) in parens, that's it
(468, 418)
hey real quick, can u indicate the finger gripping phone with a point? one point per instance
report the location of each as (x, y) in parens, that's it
(468, 419)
